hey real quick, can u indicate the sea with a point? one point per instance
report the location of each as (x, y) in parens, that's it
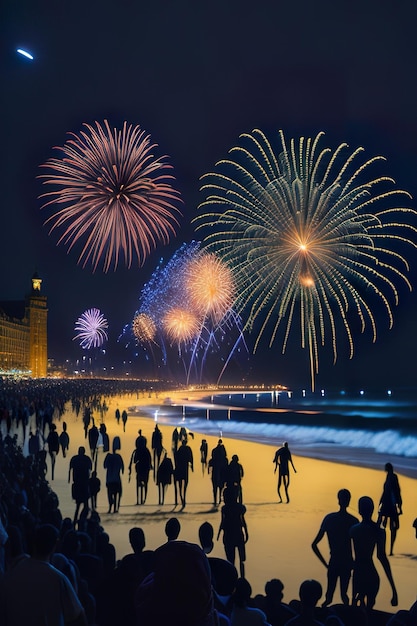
(364, 427)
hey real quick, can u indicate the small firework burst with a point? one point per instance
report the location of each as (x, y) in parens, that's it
(91, 328)
(181, 325)
(144, 328)
(210, 286)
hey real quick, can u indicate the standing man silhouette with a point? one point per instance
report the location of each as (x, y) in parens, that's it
(282, 460)
(81, 467)
(367, 536)
(337, 528)
(390, 505)
(183, 461)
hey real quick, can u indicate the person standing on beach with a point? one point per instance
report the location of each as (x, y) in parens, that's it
(81, 467)
(157, 448)
(64, 439)
(282, 460)
(53, 447)
(183, 461)
(218, 467)
(235, 530)
(366, 536)
(390, 505)
(337, 528)
(203, 453)
(114, 466)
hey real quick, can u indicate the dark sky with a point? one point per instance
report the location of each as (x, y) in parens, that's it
(195, 75)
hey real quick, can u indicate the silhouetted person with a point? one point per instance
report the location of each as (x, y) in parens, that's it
(282, 460)
(277, 611)
(86, 420)
(64, 439)
(157, 448)
(140, 439)
(242, 612)
(124, 419)
(35, 592)
(142, 557)
(53, 447)
(94, 488)
(183, 463)
(235, 531)
(205, 535)
(117, 415)
(104, 437)
(93, 435)
(81, 467)
(179, 591)
(310, 593)
(114, 466)
(34, 443)
(141, 459)
(366, 536)
(218, 468)
(203, 454)
(172, 529)
(164, 476)
(390, 505)
(175, 439)
(234, 475)
(337, 528)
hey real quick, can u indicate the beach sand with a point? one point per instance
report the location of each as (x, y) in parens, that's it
(280, 535)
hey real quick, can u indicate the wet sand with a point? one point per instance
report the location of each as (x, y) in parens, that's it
(280, 535)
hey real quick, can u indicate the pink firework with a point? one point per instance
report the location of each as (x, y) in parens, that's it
(91, 328)
(114, 198)
(144, 328)
(181, 325)
(210, 286)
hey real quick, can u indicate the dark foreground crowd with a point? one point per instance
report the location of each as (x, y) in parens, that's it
(56, 571)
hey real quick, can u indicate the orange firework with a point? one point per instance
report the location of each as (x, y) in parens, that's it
(144, 328)
(210, 286)
(181, 325)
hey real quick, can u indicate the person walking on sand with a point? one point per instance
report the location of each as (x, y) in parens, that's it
(390, 505)
(81, 467)
(282, 460)
(366, 536)
(183, 462)
(114, 466)
(235, 530)
(337, 528)
(64, 439)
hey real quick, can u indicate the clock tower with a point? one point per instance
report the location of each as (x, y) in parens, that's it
(37, 314)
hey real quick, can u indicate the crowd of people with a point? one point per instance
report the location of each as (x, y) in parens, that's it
(67, 570)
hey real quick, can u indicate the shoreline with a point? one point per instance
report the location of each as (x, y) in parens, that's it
(336, 453)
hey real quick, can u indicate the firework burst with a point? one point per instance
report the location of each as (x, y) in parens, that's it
(210, 286)
(195, 327)
(181, 325)
(114, 198)
(91, 328)
(144, 328)
(310, 234)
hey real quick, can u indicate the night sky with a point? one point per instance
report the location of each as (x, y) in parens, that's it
(195, 75)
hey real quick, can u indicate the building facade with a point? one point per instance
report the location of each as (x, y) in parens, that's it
(24, 334)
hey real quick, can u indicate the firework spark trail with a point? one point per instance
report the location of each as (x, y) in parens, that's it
(307, 234)
(91, 328)
(116, 197)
